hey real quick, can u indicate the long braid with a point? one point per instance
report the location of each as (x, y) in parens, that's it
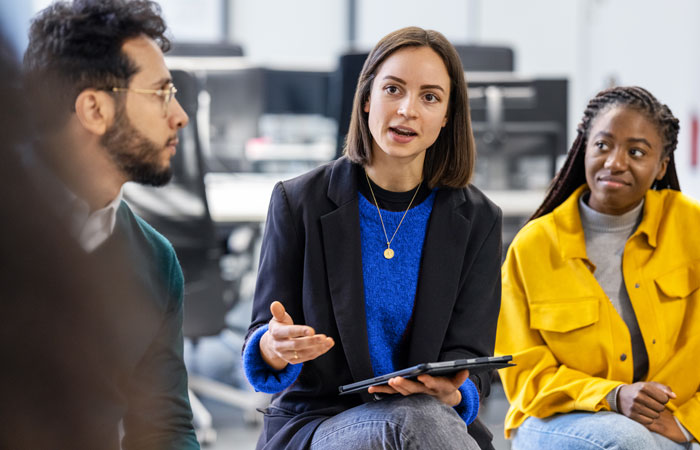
(573, 173)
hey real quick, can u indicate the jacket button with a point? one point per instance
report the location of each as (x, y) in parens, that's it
(636, 285)
(623, 357)
(653, 341)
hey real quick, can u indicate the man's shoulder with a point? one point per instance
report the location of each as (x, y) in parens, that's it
(159, 250)
(136, 224)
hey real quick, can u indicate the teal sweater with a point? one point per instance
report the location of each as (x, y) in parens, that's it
(152, 388)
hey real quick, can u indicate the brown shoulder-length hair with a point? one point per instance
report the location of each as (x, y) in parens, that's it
(450, 160)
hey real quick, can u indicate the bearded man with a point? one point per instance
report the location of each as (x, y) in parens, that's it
(106, 113)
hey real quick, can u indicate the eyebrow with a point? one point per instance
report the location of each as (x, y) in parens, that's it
(425, 86)
(634, 140)
(162, 82)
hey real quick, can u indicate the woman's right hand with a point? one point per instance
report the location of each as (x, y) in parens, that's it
(285, 343)
(643, 401)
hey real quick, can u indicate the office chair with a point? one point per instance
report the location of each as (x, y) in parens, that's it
(180, 211)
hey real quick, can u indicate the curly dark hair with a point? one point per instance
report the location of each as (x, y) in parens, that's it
(573, 174)
(77, 45)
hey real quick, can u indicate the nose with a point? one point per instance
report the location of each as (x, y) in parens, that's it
(616, 160)
(407, 108)
(177, 116)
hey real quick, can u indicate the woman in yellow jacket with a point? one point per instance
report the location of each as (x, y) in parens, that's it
(601, 306)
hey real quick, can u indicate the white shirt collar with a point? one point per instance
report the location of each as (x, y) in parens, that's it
(93, 229)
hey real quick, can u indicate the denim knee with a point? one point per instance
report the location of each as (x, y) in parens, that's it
(585, 431)
(412, 422)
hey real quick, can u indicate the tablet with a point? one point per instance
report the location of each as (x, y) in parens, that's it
(475, 365)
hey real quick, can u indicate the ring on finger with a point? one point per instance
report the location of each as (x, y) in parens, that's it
(296, 355)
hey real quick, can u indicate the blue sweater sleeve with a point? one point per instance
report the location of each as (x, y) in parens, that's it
(468, 408)
(261, 376)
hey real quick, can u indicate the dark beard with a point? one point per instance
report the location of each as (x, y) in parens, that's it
(134, 154)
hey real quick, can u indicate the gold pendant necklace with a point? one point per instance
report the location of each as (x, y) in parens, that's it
(389, 252)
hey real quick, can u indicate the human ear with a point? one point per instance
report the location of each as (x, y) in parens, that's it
(94, 110)
(366, 105)
(662, 168)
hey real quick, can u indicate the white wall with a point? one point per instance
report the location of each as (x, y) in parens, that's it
(196, 21)
(299, 32)
(376, 18)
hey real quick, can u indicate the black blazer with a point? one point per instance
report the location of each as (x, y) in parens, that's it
(311, 262)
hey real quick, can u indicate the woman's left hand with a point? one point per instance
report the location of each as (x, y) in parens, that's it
(445, 389)
(666, 426)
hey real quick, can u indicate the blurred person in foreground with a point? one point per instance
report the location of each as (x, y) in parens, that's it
(68, 314)
(106, 114)
(601, 292)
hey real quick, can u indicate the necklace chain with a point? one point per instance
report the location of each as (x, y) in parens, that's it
(389, 253)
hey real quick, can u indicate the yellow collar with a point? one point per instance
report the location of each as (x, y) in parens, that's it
(567, 220)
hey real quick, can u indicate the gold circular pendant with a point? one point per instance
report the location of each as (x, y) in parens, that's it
(388, 253)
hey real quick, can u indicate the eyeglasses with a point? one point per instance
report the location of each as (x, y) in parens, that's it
(166, 94)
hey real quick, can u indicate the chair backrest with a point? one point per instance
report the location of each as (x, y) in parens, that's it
(342, 91)
(295, 91)
(180, 212)
(484, 58)
(205, 49)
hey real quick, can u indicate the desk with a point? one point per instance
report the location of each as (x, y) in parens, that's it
(244, 197)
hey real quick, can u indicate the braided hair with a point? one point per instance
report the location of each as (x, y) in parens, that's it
(573, 173)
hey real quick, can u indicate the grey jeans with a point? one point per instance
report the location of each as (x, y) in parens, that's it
(397, 422)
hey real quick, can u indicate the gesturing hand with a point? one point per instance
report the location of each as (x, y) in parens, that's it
(643, 401)
(445, 389)
(285, 343)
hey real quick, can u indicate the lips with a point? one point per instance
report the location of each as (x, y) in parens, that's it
(404, 131)
(612, 181)
(172, 144)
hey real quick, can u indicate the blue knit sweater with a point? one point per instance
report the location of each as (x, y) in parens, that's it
(390, 290)
(390, 284)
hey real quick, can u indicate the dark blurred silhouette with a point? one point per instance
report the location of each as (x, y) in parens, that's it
(67, 315)
(91, 347)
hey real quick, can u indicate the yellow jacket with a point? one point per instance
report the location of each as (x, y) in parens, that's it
(570, 345)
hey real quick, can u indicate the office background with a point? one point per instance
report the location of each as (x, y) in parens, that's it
(593, 43)
(590, 43)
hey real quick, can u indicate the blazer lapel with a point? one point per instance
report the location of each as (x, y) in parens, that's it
(438, 281)
(342, 249)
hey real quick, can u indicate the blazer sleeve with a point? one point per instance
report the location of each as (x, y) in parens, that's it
(474, 318)
(281, 261)
(538, 385)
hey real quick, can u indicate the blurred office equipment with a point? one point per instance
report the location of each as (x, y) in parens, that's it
(519, 127)
(520, 130)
